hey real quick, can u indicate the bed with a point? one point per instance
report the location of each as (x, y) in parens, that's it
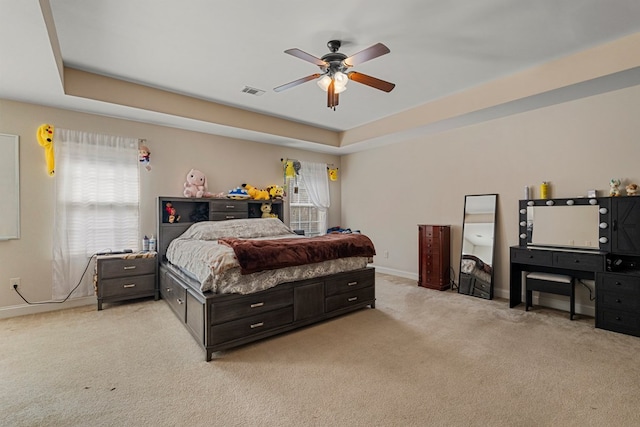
(237, 281)
(475, 276)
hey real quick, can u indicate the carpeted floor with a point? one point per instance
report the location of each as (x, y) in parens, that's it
(422, 357)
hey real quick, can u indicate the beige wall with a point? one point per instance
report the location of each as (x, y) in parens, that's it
(386, 191)
(226, 162)
(576, 146)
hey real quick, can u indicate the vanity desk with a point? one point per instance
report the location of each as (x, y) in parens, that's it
(593, 239)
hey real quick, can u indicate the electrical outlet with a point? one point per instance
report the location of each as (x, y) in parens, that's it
(14, 282)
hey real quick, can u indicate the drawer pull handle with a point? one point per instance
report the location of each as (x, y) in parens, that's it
(618, 318)
(618, 300)
(530, 256)
(230, 217)
(130, 285)
(169, 290)
(230, 207)
(577, 261)
(129, 267)
(353, 299)
(180, 301)
(352, 283)
(257, 325)
(618, 284)
(258, 304)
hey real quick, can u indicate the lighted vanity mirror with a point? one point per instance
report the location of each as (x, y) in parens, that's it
(478, 248)
(10, 186)
(579, 223)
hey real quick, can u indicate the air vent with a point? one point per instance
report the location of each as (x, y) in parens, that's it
(252, 91)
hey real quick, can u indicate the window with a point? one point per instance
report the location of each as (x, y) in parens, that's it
(303, 215)
(97, 204)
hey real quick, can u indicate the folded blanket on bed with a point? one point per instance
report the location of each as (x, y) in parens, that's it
(258, 255)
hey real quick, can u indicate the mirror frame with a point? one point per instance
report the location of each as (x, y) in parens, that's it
(481, 290)
(10, 186)
(604, 209)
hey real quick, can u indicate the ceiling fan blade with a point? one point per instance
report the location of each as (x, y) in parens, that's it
(365, 55)
(371, 81)
(296, 82)
(306, 56)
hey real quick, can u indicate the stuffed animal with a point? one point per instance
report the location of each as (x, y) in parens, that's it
(632, 189)
(333, 173)
(255, 193)
(275, 192)
(172, 215)
(614, 187)
(196, 185)
(144, 156)
(266, 210)
(238, 193)
(45, 139)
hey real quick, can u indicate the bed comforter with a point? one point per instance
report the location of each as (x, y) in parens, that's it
(199, 253)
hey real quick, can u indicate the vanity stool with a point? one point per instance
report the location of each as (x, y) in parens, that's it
(552, 284)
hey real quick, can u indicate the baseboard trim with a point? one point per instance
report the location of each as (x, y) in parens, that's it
(395, 272)
(25, 309)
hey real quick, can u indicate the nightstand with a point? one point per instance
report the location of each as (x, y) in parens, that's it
(126, 276)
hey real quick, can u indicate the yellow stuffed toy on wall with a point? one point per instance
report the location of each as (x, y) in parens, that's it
(45, 139)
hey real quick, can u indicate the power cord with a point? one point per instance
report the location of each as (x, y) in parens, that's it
(15, 288)
(452, 280)
(591, 297)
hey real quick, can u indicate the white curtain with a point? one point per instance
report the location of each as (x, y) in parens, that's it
(97, 203)
(316, 181)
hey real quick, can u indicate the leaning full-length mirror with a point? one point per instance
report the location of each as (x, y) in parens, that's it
(478, 236)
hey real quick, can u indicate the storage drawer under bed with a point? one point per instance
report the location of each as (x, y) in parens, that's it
(242, 328)
(250, 305)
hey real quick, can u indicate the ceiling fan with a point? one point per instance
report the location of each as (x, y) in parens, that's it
(335, 72)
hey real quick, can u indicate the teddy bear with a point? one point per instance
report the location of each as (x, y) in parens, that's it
(275, 192)
(632, 189)
(256, 194)
(614, 187)
(196, 185)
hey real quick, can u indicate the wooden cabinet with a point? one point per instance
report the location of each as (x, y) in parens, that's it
(434, 256)
(124, 277)
(625, 225)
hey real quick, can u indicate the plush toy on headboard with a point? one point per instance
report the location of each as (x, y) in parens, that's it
(196, 185)
(255, 193)
(45, 139)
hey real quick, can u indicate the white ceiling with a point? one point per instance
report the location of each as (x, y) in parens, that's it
(212, 49)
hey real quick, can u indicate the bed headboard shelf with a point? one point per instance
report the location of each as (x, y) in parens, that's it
(192, 210)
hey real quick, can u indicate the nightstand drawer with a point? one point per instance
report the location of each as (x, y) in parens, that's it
(119, 267)
(127, 286)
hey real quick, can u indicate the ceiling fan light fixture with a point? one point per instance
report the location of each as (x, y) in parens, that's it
(324, 82)
(341, 79)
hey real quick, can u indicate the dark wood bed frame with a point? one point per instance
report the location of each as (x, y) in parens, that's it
(223, 321)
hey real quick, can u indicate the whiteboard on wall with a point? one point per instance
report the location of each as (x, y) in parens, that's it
(10, 186)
